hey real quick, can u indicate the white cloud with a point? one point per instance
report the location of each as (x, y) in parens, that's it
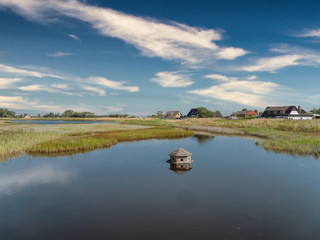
(224, 78)
(59, 54)
(231, 53)
(25, 72)
(74, 37)
(274, 63)
(54, 88)
(172, 79)
(112, 84)
(94, 89)
(6, 83)
(171, 41)
(113, 109)
(24, 103)
(219, 77)
(311, 33)
(35, 87)
(246, 92)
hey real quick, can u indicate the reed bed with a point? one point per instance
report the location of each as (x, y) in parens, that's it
(16, 139)
(107, 139)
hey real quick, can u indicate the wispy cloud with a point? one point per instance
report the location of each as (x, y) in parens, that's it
(100, 91)
(59, 54)
(310, 33)
(5, 69)
(113, 109)
(273, 63)
(74, 37)
(54, 88)
(6, 83)
(112, 84)
(90, 83)
(170, 40)
(291, 56)
(246, 92)
(172, 79)
(25, 103)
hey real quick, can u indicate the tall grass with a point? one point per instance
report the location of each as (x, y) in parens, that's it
(16, 139)
(107, 139)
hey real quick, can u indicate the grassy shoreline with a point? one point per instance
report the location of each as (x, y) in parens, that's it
(18, 139)
(295, 137)
(288, 136)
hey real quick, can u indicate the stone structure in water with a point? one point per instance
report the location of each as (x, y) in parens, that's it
(180, 161)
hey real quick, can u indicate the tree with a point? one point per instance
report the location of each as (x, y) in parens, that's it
(67, 113)
(205, 113)
(159, 114)
(218, 114)
(256, 111)
(38, 115)
(6, 113)
(245, 110)
(315, 111)
(49, 115)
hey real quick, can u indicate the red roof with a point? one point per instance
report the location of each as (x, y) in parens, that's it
(250, 113)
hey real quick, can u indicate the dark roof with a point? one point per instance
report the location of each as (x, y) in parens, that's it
(193, 112)
(279, 108)
(240, 112)
(180, 152)
(269, 112)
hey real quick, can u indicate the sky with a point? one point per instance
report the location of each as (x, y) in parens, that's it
(140, 57)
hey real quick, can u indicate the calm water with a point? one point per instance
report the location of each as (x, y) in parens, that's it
(235, 190)
(52, 122)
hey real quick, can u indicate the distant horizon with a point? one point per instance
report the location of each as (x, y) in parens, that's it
(138, 58)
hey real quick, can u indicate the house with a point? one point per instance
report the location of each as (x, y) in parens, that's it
(251, 114)
(242, 114)
(193, 113)
(239, 114)
(24, 115)
(173, 115)
(180, 161)
(286, 112)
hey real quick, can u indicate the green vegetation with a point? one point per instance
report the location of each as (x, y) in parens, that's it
(295, 137)
(17, 139)
(5, 113)
(205, 113)
(107, 139)
(278, 135)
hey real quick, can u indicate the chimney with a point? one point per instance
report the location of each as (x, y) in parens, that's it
(299, 109)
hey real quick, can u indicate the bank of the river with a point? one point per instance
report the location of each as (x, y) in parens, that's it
(17, 139)
(290, 136)
(279, 135)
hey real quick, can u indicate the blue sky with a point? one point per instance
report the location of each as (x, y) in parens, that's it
(138, 57)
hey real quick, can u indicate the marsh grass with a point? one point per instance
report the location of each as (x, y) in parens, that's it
(107, 139)
(16, 139)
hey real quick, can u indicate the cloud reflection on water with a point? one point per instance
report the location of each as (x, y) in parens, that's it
(45, 174)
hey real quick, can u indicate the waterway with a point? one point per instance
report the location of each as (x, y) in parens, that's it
(234, 190)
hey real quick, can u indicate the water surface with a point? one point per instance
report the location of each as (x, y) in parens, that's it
(235, 190)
